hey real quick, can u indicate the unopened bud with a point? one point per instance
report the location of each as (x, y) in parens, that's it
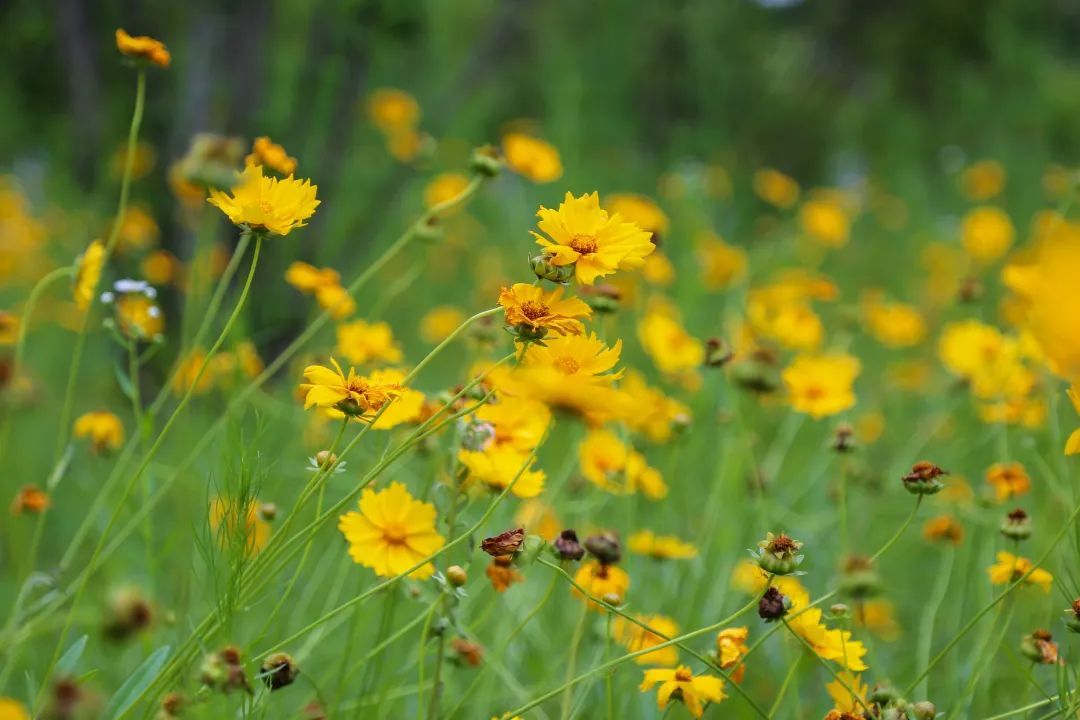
(545, 270)
(487, 161)
(456, 575)
(605, 547)
(567, 546)
(1017, 525)
(268, 511)
(278, 670)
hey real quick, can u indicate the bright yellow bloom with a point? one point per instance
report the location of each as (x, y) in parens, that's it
(142, 47)
(825, 218)
(600, 581)
(497, 467)
(407, 407)
(980, 354)
(232, 524)
(649, 411)
(335, 300)
(363, 342)
(350, 393)
(776, 188)
(1010, 568)
(569, 372)
(894, 325)
(640, 210)
(944, 528)
(1008, 480)
(87, 273)
(730, 649)
(269, 154)
(582, 234)
(635, 638)
(393, 110)
(846, 700)
(721, 264)
(821, 385)
(611, 465)
(439, 322)
(529, 156)
(532, 307)
(308, 278)
(672, 349)
(105, 430)
(1072, 445)
(516, 423)
(392, 532)
(835, 645)
(986, 232)
(661, 547)
(681, 684)
(11, 709)
(274, 205)
(444, 187)
(983, 180)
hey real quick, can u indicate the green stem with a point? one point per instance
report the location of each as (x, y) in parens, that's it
(926, 625)
(571, 662)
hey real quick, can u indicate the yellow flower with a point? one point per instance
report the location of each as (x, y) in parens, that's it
(649, 411)
(776, 188)
(821, 386)
(392, 532)
(730, 649)
(497, 467)
(393, 110)
(1010, 568)
(335, 300)
(600, 581)
(658, 270)
(894, 325)
(661, 547)
(635, 638)
(9, 328)
(444, 187)
(188, 370)
(879, 617)
(570, 372)
(611, 465)
(87, 273)
(721, 264)
(846, 700)
(538, 518)
(516, 423)
(835, 645)
(983, 180)
(1072, 445)
(529, 156)
(231, 523)
(142, 47)
(408, 405)
(986, 233)
(681, 684)
(138, 230)
(105, 430)
(308, 278)
(11, 709)
(944, 528)
(363, 342)
(1008, 480)
(582, 234)
(666, 342)
(138, 316)
(351, 394)
(277, 206)
(640, 210)
(439, 322)
(532, 307)
(269, 154)
(825, 219)
(160, 267)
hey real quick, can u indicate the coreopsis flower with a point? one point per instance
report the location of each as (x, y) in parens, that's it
(826, 219)
(308, 278)
(722, 265)
(779, 554)
(516, 423)
(894, 325)
(635, 638)
(821, 386)
(681, 684)
(531, 312)
(835, 645)
(879, 617)
(781, 310)
(1008, 480)
(351, 394)
(407, 407)
(497, 467)
(392, 110)
(392, 532)
(583, 235)
(532, 157)
(661, 547)
(1010, 568)
(672, 349)
(439, 322)
(30, 500)
(649, 411)
(607, 582)
(446, 186)
(502, 573)
(335, 300)
(983, 180)
(615, 467)
(160, 267)
(9, 328)
(730, 649)
(850, 699)
(986, 233)
(570, 372)
(269, 154)
(776, 188)
(142, 47)
(238, 524)
(945, 529)
(87, 273)
(267, 204)
(104, 429)
(539, 518)
(363, 342)
(1072, 445)
(640, 210)
(11, 709)
(138, 230)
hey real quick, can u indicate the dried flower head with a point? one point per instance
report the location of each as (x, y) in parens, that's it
(778, 554)
(567, 546)
(505, 543)
(923, 478)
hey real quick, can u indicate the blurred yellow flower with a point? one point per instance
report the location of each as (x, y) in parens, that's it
(879, 617)
(1072, 445)
(640, 210)
(601, 581)
(538, 518)
(142, 47)
(362, 342)
(681, 684)
(649, 411)
(274, 205)
(88, 273)
(660, 547)
(983, 181)
(392, 110)
(160, 267)
(9, 328)
(944, 528)
(776, 188)
(531, 157)
(893, 324)
(269, 154)
(658, 270)
(612, 465)
(846, 700)
(672, 349)
(986, 232)
(721, 264)
(496, 468)
(446, 186)
(138, 230)
(439, 322)
(1009, 568)
(139, 317)
(538, 310)
(634, 638)
(825, 219)
(835, 645)
(1008, 480)
(582, 234)
(335, 300)
(570, 372)
(236, 524)
(11, 709)
(821, 385)
(392, 532)
(104, 429)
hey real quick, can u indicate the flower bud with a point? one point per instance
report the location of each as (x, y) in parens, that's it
(843, 439)
(325, 459)
(1072, 616)
(717, 353)
(758, 373)
(567, 546)
(171, 706)
(883, 694)
(527, 333)
(605, 547)
(428, 231)
(1039, 647)
(543, 269)
(467, 653)
(924, 710)
(128, 613)
(268, 511)
(777, 554)
(773, 605)
(223, 671)
(456, 575)
(487, 161)
(612, 598)
(839, 611)
(477, 435)
(923, 478)
(278, 670)
(504, 544)
(860, 581)
(1017, 525)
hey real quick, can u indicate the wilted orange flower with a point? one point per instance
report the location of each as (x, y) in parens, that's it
(1010, 568)
(635, 638)
(681, 684)
(502, 573)
(30, 500)
(1008, 480)
(392, 532)
(540, 311)
(142, 47)
(821, 386)
(944, 528)
(269, 154)
(104, 429)
(529, 156)
(274, 205)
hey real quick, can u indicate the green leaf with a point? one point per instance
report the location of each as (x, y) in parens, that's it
(125, 382)
(134, 686)
(66, 664)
